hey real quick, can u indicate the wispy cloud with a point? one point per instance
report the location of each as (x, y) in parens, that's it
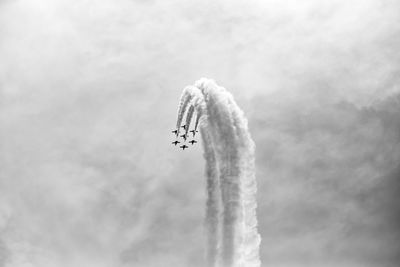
(88, 94)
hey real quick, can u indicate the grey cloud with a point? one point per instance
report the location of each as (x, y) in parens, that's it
(89, 92)
(328, 175)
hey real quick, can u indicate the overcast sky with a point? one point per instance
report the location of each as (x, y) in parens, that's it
(88, 96)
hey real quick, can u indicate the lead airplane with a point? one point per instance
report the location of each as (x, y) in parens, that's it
(183, 147)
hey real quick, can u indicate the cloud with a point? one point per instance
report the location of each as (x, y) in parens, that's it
(324, 169)
(88, 92)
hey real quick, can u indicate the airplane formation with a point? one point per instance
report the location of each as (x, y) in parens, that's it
(184, 136)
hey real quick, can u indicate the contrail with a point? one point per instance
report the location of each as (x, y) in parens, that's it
(196, 124)
(187, 96)
(189, 117)
(213, 199)
(231, 222)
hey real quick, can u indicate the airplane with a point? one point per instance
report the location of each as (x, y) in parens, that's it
(175, 132)
(194, 132)
(175, 143)
(184, 136)
(183, 147)
(184, 127)
(192, 142)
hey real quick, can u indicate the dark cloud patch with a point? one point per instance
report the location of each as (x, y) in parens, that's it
(328, 175)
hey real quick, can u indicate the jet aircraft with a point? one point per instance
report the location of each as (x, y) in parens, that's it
(192, 142)
(184, 127)
(194, 132)
(175, 143)
(183, 147)
(184, 136)
(175, 132)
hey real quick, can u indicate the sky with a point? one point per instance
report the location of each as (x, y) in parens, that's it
(88, 97)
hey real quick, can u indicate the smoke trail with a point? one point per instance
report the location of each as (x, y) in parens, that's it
(213, 201)
(231, 183)
(196, 124)
(189, 117)
(189, 94)
(185, 99)
(251, 238)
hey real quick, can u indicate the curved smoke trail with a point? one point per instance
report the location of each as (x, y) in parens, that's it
(231, 222)
(189, 117)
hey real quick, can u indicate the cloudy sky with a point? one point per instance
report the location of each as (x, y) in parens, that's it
(88, 97)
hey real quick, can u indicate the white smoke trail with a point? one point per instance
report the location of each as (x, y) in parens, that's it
(251, 238)
(189, 95)
(229, 154)
(198, 116)
(189, 117)
(186, 97)
(213, 199)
